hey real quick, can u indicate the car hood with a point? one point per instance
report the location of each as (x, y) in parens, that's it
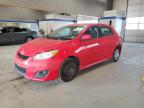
(40, 45)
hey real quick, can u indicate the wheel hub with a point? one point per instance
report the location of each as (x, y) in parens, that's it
(68, 70)
(116, 54)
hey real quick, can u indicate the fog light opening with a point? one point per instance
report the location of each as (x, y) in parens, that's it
(41, 74)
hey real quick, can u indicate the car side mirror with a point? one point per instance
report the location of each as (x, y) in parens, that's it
(86, 37)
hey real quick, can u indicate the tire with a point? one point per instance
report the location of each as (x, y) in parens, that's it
(116, 55)
(68, 70)
(28, 39)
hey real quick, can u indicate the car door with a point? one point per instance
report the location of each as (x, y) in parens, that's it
(91, 49)
(4, 36)
(107, 41)
(17, 35)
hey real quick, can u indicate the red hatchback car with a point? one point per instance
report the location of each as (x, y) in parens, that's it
(66, 51)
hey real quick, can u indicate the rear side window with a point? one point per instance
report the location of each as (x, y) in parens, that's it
(4, 30)
(10, 30)
(17, 30)
(23, 29)
(105, 31)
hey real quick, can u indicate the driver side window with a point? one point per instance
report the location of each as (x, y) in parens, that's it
(93, 31)
(17, 30)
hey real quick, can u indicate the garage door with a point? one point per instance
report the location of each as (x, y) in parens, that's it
(135, 21)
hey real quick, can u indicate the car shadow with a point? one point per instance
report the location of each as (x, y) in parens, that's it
(58, 82)
(80, 73)
(49, 84)
(11, 44)
(87, 70)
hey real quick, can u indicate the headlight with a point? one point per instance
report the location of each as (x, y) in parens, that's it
(45, 55)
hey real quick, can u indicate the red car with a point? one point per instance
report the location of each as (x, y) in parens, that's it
(66, 51)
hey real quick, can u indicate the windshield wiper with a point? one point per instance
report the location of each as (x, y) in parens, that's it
(63, 38)
(50, 37)
(59, 38)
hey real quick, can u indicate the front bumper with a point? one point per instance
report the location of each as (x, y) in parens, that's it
(29, 68)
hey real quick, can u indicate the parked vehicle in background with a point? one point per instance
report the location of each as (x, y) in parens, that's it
(66, 51)
(13, 34)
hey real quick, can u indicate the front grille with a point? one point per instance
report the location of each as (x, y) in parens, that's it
(22, 56)
(20, 69)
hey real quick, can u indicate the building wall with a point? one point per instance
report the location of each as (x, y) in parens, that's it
(86, 7)
(110, 4)
(120, 5)
(135, 10)
(16, 13)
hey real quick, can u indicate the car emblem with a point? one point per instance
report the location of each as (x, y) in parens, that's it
(22, 52)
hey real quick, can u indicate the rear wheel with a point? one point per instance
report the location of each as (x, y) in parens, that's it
(116, 55)
(68, 70)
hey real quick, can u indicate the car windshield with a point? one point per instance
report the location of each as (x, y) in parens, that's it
(66, 33)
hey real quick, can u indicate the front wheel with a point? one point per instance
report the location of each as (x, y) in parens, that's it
(68, 70)
(116, 55)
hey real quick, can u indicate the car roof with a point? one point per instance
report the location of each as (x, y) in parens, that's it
(90, 24)
(10, 27)
(7, 27)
